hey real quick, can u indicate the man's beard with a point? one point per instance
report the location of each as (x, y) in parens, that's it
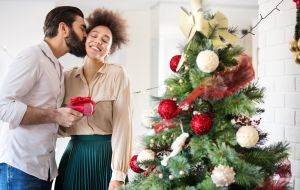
(75, 45)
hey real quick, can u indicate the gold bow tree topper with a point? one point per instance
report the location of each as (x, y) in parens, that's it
(192, 22)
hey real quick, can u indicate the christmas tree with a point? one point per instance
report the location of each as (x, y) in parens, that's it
(205, 135)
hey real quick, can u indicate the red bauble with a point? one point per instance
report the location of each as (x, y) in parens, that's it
(167, 109)
(133, 165)
(201, 124)
(174, 62)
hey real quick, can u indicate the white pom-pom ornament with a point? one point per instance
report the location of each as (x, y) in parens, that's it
(207, 61)
(146, 118)
(145, 155)
(222, 176)
(247, 136)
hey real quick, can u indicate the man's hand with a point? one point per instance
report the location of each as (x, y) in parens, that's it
(67, 117)
(63, 116)
(114, 185)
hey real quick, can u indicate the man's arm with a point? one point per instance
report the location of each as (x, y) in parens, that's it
(63, 116)
(21, 76)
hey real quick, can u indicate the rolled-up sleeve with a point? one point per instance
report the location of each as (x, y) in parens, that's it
(122, 128)
(18, 80)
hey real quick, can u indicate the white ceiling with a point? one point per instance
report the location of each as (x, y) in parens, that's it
(146, 4)
(112, 4)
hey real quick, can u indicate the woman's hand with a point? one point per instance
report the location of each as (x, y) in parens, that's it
(114, 185)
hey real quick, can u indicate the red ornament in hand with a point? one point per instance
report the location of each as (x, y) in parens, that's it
(167, 109)
(133, 165)
(83, 105)
(201, 124)
(174, 62)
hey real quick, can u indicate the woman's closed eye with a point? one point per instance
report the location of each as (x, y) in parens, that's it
(93, 36)
(105, 40)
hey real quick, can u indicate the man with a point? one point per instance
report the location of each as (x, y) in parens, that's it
(30, 100)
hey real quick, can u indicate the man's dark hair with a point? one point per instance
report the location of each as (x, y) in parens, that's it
(64, 14)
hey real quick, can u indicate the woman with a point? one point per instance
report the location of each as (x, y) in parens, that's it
(99, 151)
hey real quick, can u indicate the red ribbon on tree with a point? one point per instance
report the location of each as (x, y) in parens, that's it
(82, 104)
(279, 180)
(219, 86)
(297, 3)
(222, 84)
(163, 125)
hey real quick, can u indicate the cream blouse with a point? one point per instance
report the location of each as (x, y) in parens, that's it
(110, 89)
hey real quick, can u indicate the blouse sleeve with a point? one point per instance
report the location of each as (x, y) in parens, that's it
(122, 129)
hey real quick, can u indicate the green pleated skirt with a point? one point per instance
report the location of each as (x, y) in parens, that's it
(85, 164)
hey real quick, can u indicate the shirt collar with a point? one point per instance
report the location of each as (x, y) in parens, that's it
(102, 70)
(79, 71)
(48, 52)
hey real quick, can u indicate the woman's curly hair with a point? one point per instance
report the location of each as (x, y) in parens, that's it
(114, 21)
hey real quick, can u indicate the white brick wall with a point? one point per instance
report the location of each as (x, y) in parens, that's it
(278, 72)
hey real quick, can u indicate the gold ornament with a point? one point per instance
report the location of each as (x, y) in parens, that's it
(152, 141)
(181, 173)
(160, 176)
(164, 137)
(294, 46)
(180, 81)
(186, 68)
(297, 57)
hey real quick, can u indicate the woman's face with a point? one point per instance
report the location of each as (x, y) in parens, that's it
(98, 42)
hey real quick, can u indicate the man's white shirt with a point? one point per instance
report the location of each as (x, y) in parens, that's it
(34, 78)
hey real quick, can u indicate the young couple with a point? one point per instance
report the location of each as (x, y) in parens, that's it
(35, 87)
